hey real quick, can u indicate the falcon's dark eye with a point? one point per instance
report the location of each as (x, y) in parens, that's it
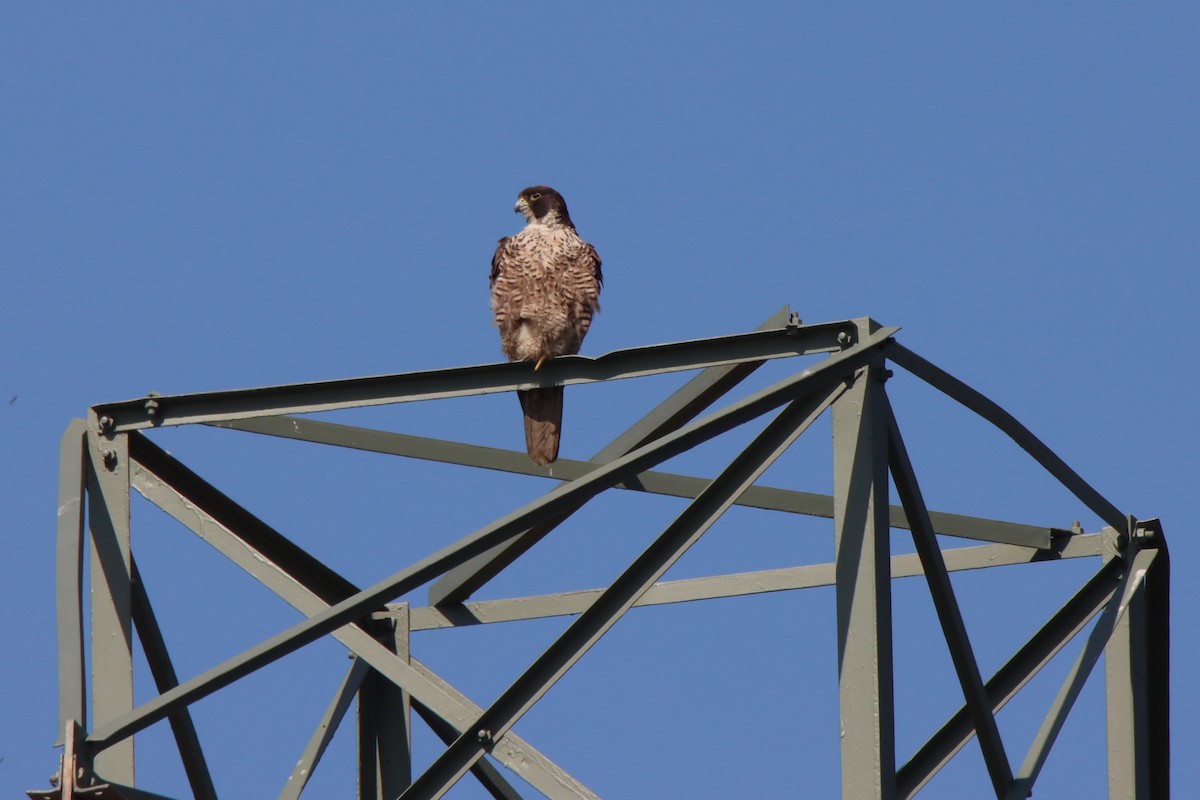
(535, 195)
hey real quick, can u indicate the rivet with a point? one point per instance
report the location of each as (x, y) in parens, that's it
(844, 339)
(110, 458)
(484, 736)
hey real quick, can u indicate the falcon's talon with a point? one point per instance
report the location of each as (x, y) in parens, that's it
(539, 363)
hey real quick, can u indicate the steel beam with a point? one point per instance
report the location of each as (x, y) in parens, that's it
(1008, 680)
(486, 612)
(112, 620)
(102, 458)
(1158, 668)
(1126, 680)
(959, 644)
(651, 481)
(303, 398)
(688, 401)
(491, 780)
(384, 718)
(418, 573)
(680, 408)
(864, 612)
(68, 578)
(163, 672)
(325, 730)
(324, 582)
(1035, 759)
(993, 413)
(620, 596)
(287, 578)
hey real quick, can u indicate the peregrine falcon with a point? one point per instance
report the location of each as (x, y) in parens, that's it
(545, 287)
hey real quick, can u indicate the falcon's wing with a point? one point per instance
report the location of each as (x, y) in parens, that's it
(498, 258)
(590, 254)
(581, 292)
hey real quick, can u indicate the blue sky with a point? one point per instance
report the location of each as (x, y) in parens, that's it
(249, 194)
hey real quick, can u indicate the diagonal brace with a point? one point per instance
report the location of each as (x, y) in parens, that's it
(585, 631)
(289, 579)
(680, 408)
(325, 730)
(1008, 680)
(947, 608)
(1131, 582)
(487, 775)
(163, 672)
(827, 372)
(993, 413)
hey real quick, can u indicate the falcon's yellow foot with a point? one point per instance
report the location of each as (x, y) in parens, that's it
(539, 363)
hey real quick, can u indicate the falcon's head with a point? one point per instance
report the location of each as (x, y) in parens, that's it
(543, 204)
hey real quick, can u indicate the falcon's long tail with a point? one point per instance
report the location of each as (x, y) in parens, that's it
(543, 422)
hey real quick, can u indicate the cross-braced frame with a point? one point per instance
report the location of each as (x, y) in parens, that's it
(106, 456)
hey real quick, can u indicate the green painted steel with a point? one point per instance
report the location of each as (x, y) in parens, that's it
(622, 593)
(68, 578)
(110, 597)
(934, 567)
(652, 481)
(863, 583)
(102, 459)
(303, 398)
(154, 647)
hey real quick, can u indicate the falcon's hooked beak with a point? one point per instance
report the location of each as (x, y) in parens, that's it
(522, 208)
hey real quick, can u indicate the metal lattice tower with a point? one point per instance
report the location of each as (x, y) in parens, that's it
(107, 456)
